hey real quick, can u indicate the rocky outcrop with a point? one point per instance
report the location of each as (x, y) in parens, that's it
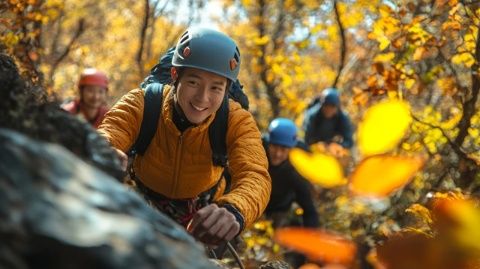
(57, 211)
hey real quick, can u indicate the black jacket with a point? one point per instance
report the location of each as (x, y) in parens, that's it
(289, 186)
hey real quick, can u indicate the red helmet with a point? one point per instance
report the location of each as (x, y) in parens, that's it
(92, 76)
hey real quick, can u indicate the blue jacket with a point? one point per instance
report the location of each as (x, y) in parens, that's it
(320, 129)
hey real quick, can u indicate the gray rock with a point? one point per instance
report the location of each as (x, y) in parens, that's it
(57, 211)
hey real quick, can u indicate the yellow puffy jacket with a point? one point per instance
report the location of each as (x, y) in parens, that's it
(180, 165)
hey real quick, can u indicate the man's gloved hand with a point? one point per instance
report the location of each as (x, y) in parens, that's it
(213, 225)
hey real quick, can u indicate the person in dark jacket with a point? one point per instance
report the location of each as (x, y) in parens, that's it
(326, 122)
(288, 185)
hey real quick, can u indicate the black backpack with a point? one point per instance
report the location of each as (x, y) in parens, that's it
(153, 87)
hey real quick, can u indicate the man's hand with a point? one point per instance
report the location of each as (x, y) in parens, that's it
(123, 158)
(337, 150)
(212, 225)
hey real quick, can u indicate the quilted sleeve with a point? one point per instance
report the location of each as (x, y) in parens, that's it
(248, 164)
(122, 123)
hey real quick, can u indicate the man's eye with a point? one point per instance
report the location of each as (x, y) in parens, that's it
(192, 82)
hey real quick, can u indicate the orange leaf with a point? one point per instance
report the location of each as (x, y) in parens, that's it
(317, 245)
(309, 266)
(419, 53)
(380, 175)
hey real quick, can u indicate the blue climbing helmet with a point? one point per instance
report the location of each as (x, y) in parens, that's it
(282, 132)
(330, 96)
(208, 50)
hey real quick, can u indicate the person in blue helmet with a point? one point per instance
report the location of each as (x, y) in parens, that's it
(288, 186)
(326, 122)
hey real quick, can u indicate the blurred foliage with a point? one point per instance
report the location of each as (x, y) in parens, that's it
(64, 37)
(422, 52)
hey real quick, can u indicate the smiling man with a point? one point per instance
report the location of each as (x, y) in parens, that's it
(176, 173)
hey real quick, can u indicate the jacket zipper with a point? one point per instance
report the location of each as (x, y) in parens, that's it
(178, 157)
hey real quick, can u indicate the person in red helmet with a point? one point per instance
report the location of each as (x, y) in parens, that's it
(91, 104)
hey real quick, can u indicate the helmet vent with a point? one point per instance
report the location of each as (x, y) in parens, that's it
(184, 37)
(236, 56)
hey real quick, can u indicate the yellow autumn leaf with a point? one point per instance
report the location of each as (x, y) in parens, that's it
(247, 2)
(465, 58)
(380, 175)
(260, 41)
(383, 126)
(320, 169)
(384, 57)
(384, 43)
(473, 132)
(409, 83)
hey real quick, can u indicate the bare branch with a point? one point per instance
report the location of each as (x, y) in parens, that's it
(342, 44)
(143, 31)
(468, 105)
(80, 30)
(269, 86)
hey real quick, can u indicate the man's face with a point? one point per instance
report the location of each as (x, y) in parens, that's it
(93, 96)
(277, 154)
(200, 93)
(329, 110)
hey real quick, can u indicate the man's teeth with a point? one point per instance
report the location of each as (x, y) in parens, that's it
(199, 108)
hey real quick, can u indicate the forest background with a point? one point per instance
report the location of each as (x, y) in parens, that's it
(423, 52)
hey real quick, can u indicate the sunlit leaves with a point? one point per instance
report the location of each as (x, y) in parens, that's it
(10, 39)
(419, 53)
(259, 235)
(421, 213)
(261, 41)
(417, 34)
(451, 25)
(350, 17)
(433, 138)
(447, 85)
(378, 176)
(383, 126)
(465, 58)
(384, 57)
(317, 245)
(319, 168)
(384, 28)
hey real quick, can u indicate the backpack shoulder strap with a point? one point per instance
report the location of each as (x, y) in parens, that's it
(218, 135)
(151, 113)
